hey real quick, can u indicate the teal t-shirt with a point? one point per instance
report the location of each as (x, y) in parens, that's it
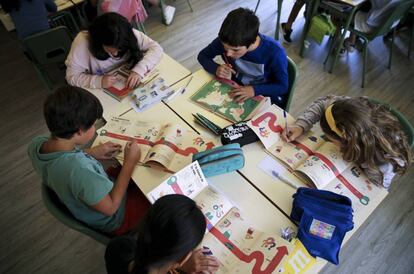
(79, 181)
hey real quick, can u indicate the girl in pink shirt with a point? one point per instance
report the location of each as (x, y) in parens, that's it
(110, 42)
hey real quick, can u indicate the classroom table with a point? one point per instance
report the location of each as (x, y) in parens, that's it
(336, 44)
(246, 198)
(273, 189)
(7, 21)
(169, 69)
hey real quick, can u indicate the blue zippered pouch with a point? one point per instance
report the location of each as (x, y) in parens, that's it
(324, 218)
(220, 160)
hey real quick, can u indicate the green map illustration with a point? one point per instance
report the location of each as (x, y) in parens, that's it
(214, 96)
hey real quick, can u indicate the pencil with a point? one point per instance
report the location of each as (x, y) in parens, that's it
(286, 124)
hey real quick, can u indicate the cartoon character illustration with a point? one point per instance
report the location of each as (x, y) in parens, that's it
(269, 243)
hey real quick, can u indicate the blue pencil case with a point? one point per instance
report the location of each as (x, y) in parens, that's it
(220, 160)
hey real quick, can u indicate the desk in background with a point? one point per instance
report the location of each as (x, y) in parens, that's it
(61, 5)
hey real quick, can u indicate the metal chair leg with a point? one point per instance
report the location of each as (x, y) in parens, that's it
(189, 4)
(257, 5)
(392, 44)
(365, 52)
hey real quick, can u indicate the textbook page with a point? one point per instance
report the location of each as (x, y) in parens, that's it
(189, 181)
(241, 248)
(324, 165)
(295, 153)
(168, 145)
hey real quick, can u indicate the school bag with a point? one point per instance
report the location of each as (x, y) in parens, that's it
(220, 160)
(324, 218)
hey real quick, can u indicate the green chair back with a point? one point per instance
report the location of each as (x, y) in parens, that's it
(406, 125)
(60, 211)
(64, 18)
(292, 74)
(400, 10)
(48, 47)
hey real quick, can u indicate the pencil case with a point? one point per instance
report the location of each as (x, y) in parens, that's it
(239, 133)
(220, 160)
(324, 218)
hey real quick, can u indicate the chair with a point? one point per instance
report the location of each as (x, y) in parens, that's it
(64, 18)
(406, 125)
(60, 211)
(292, 74)
(399, 12)
(48, 47)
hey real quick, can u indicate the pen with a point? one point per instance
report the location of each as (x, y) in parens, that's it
(286, 123)
(277, 175)
(185, 87)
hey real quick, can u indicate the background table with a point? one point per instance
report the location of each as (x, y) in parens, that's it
(7, 21)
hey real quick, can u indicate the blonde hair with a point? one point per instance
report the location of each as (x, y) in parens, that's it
(372, 136)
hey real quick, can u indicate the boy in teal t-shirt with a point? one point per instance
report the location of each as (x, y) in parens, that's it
(76, 176)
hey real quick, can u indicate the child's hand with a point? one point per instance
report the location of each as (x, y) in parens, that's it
(104, 151)
(108, 81)
(133, 79)
(225, 71)
(292, 133)
(241, 93)
(199, 262)
(132, 153)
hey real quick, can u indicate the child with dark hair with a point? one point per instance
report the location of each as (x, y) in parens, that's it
(164, 242)
(257, 62)
(29, 16)
(110, 42)
(368, 134)
(75, 175)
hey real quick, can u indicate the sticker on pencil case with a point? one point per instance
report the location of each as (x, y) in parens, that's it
(321, 229)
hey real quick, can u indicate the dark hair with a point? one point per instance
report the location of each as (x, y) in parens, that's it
(9, 5)
(173, 227)
(239, 28)
(113, 30)
(372, 135)
(69, 109)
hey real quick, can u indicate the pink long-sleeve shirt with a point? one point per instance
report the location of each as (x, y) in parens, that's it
(84, 70)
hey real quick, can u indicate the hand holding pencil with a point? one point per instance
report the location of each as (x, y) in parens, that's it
(225, 71)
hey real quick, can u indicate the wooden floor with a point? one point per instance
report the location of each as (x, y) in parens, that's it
(32, 241)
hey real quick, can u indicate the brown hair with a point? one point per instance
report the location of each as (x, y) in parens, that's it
(373, 136)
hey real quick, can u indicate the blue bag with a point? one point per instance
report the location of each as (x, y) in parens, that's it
(220, 160)
(324, 217)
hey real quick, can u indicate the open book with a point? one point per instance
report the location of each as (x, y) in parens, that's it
(167, 145)
(313, 159)
(214, 96)
(239, 246)
(119, 89)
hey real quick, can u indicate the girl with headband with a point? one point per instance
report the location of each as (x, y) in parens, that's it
(367, 133)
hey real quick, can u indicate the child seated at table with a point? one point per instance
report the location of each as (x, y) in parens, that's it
(164, 242)
(110, 42)
(256, 61)
(29, 17)
(367, 133)
(75, 175)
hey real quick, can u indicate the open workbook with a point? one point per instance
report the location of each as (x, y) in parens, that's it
(151, 88)
(169, 146)
(214, 96)
(239, 246)
(313, 159)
